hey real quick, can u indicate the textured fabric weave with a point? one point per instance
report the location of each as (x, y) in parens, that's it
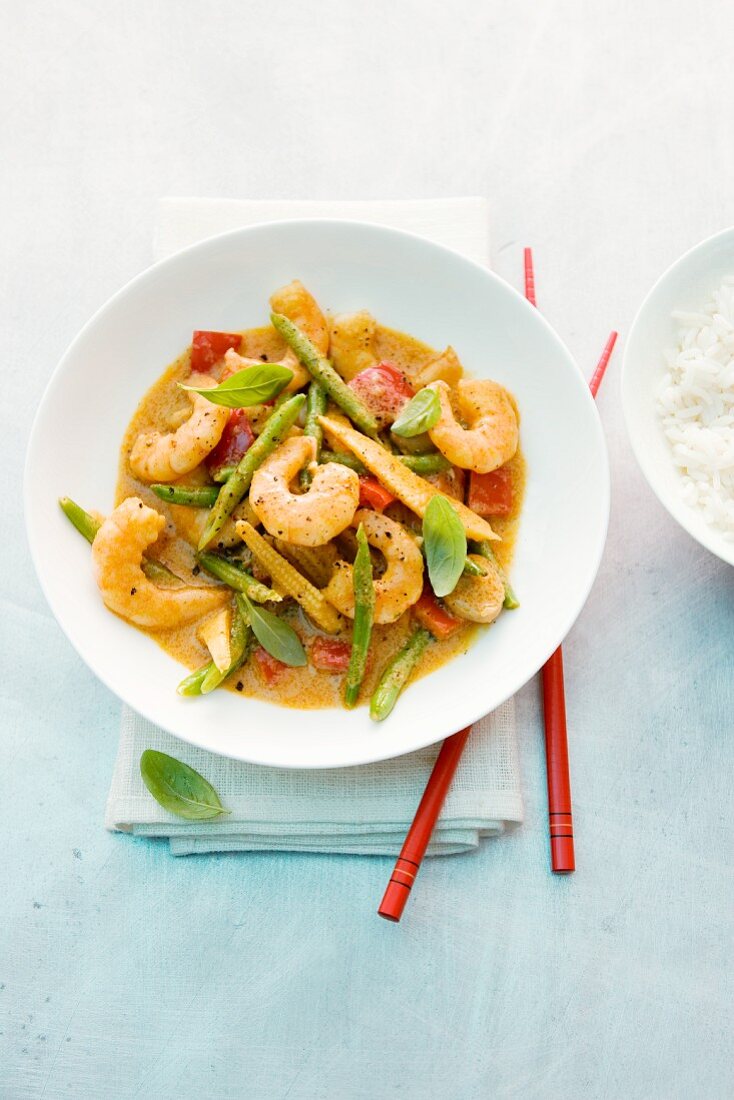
(348, 810)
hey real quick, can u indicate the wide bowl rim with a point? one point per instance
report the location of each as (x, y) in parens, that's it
(709, 537)
(469, 713)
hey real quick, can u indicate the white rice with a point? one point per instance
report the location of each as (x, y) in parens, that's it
(696, 407)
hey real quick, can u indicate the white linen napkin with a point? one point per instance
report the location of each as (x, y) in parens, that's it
(360, 810)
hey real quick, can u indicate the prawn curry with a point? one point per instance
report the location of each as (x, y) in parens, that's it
(314, 512)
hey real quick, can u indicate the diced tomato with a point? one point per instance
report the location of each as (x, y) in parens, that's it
(397, 375)
(384, 390)
(372, 494)
(491, 494)
(236, 440)
(207, 348)
(330, 654)
(270, 668)
(430, 614)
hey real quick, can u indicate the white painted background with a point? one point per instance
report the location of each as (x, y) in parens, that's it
(602, 134)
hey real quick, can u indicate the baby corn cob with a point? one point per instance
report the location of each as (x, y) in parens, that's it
(317, 562)
(287, 578)
(408, 487)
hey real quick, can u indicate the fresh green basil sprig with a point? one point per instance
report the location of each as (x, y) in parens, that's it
(178, 788)
(276, 636)
(251, 386)
(444, 542)
(420, 414)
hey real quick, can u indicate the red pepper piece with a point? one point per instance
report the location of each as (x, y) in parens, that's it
(236, 440)
(270, 668)
(430, 614)
(491, 494)
(372, 494)
(330, 654)
(207, 348)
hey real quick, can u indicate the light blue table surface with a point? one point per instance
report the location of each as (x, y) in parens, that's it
(602, 135)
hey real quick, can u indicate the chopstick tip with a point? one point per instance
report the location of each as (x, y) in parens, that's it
(529, 276)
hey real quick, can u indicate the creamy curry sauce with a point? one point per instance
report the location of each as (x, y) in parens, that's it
(162, 408)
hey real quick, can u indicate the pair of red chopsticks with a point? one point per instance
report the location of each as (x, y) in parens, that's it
(556, 746)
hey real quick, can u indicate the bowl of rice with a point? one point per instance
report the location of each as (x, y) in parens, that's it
(678, 392)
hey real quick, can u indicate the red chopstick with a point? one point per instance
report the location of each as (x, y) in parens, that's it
(414, 848)
(558, 778)
(529, 276)
(603, 363)
(560, 813)
(554, 707)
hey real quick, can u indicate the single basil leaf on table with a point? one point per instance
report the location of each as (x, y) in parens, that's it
(421, 413)
(178, 788)
(444, 540)
(251, 386)
(275, 636)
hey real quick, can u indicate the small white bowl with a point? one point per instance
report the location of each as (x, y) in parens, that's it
(687, 285)
(409, 284)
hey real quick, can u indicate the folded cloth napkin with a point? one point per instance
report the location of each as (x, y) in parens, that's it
(361, 810)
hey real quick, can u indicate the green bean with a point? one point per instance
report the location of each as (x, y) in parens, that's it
(364, 610)
(243, 610)
(316, 405)
(511, 601)
(344, 458)
(426, 464)
(235, 577)
(196, 496)
(85, 524)
(322, 372)
(223, 473)
(276, 428)
(471, 569)
(157, 572)
(419, 464)
(240, 641)
(395, 676)
(191, 684)
(88, 526)
(208, 677)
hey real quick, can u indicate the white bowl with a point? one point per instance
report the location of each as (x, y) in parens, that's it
(409, 284)
(687, 285)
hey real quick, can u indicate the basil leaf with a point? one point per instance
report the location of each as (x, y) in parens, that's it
(179, 788)
(251, 386)
(277, 637)
(421, 413)
(444, 541)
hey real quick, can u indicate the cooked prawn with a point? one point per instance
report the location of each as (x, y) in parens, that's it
(478, 599)
(306, 519)
(400, 585)
(156, 456)
(492, 435)
(299, 306)
(445, 367)
(117, 553)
